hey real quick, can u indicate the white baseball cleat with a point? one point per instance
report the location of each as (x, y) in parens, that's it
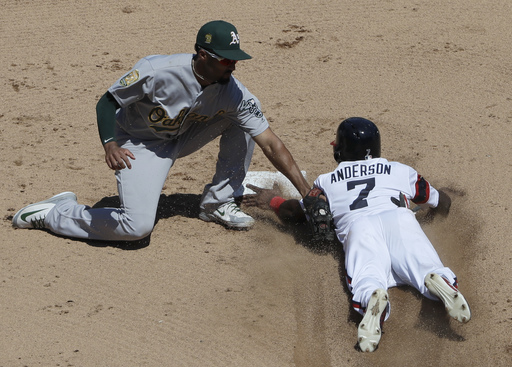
(33, 215)
(454, 302)
(369, 331)
(230, 215)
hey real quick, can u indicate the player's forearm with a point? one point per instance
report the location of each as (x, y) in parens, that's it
(283, 161)
(106, 117)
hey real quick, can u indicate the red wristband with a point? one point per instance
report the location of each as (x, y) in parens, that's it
(275, 203)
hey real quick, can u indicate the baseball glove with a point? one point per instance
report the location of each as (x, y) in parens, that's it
(319, 217)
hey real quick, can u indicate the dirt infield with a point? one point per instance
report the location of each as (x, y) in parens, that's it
(435, 76)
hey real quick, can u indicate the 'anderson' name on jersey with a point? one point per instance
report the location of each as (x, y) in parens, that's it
(360, 170)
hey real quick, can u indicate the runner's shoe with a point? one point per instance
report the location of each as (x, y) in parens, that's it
(230, 215)
(369, 331)
(454, 302)
(33, 215)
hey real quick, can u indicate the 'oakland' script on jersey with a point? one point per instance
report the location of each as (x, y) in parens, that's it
(360, 170)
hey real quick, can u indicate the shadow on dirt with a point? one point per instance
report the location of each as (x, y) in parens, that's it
(186, 205)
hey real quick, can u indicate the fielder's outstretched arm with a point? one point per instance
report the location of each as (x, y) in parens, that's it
(288, 211)
(281, 158)
(316, 211)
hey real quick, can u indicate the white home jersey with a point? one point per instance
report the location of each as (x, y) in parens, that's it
(365, 187)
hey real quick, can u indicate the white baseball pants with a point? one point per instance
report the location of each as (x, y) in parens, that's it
(387, 250)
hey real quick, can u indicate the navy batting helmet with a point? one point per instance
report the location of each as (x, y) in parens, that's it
(356, 139)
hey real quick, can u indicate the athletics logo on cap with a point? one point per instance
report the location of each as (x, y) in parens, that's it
(235, 40)
(221, 38)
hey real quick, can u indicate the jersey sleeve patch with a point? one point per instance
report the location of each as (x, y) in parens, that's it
(129, 78)
(251, 106)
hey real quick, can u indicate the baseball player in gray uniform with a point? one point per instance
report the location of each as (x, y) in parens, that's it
(368, 198)
(164, 108)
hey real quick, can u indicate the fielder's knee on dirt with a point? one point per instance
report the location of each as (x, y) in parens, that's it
(136, 227)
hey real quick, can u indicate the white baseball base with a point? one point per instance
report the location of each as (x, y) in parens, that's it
(266, 179)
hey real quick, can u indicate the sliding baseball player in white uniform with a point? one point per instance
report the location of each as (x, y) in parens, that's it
(383, 242)
(166, 107)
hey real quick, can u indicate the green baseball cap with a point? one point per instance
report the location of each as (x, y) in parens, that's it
(221, 38)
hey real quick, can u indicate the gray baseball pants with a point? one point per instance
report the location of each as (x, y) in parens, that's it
(140, 187)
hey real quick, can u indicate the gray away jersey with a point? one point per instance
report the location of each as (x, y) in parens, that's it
(160, 98)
